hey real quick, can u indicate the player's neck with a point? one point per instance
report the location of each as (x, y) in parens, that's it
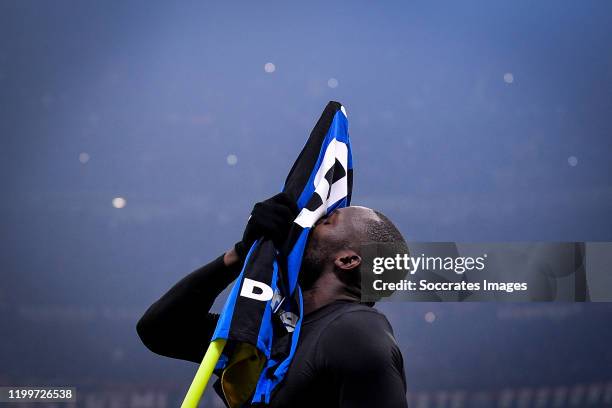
(328, 288)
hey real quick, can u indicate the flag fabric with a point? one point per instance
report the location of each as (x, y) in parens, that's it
(262, 316)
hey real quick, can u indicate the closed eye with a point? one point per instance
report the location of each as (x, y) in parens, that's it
(332, 217)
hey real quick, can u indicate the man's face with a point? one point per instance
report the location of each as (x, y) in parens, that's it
(340, 229)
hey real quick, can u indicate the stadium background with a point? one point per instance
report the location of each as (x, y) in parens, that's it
(135, 137)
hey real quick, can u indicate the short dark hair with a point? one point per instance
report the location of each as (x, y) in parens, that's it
(382, 239)
(383, 230)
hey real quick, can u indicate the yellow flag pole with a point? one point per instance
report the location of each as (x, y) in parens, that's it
(198, 385)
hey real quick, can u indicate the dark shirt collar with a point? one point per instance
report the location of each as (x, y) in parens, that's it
(325, 310)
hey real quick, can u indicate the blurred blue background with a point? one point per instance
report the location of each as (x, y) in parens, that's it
(136, 136)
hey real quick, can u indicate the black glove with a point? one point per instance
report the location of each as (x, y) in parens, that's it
(271, 219)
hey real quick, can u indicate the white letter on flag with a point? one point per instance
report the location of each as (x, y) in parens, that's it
(247, 290)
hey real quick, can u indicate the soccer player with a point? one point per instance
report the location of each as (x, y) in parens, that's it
(347, 355)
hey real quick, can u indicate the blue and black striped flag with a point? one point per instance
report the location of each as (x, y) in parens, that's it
(262, 316)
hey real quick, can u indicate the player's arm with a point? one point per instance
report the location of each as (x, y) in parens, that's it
(178, 325)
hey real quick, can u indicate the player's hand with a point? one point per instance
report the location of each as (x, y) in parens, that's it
(270, 219)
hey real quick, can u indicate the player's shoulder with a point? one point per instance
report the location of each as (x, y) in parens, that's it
(358, 318)
(357, 332)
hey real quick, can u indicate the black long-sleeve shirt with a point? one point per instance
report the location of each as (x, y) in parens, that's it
(346, 356)
(179, 324)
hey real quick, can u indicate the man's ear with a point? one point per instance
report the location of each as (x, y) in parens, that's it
(347, 259)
